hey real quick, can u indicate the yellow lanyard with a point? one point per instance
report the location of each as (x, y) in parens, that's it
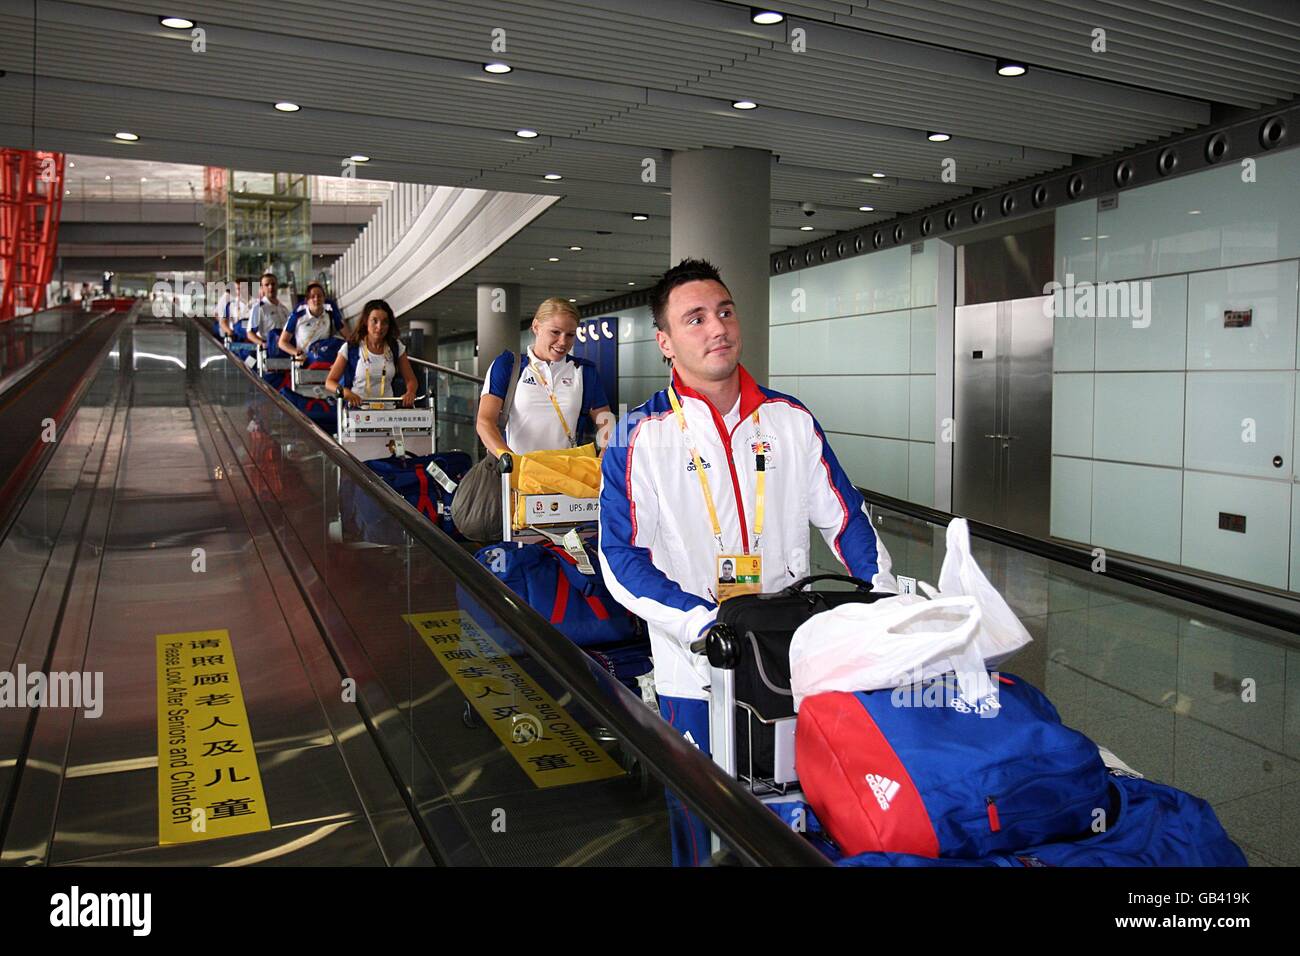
(550, 393)
(383, 372)
(760, 461)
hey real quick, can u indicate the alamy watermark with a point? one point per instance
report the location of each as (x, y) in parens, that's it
(197, 299)
(1099, 300)
(80, 690)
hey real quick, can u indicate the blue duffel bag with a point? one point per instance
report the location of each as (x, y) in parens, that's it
(920, 770)
(1146, 824)
(549, 580)
(410, 478)
(323, 352)
(320, 411)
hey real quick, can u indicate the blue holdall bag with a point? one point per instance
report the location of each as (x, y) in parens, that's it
(323, 352)
(319, 410)
(1147, 824)
(549, 580)
(410, 478)
(918, 769)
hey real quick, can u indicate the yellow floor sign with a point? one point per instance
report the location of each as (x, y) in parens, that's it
(208, 783)
(539, 734)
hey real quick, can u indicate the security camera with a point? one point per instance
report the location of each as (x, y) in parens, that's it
(808, 208)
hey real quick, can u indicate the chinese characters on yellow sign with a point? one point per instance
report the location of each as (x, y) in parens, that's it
(538, 733)
(208, 783)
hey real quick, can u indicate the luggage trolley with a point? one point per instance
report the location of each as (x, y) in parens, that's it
(751, 706)
(381, 426)
(307, 381)
(268, 363)
(544, 515)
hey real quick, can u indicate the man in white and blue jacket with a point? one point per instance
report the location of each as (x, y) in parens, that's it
(664, 535)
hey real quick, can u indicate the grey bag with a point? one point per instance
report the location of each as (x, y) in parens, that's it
(476, 506)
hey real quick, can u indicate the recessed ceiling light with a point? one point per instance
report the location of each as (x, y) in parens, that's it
(575, 248)
(552, 176)
(126, 137)
(866, 209)
(631, 283)
(358, 158)
(765, 17)
(497, 68)
(176, 23)
(107, 178)
(143, 180)
(526, 133)
(67, 192)
(805, 228)
(744, 105)
(1193, 212)
(573, 300)
(1011, 68)
(938, 137)
(553, 259)
(640, 216)
(287, 107)
(877, 175)
(72, 165)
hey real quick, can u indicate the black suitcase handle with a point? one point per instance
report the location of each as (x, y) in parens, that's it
(802, 583)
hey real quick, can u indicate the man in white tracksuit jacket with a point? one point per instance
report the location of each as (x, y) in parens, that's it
(665, 536)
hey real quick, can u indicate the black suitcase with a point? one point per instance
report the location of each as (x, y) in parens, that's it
(752, 638)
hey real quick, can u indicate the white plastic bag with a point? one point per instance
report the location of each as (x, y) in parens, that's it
(889, 643)
(1000, 633)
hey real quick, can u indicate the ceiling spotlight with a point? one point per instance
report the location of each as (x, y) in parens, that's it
(1011, 68)
(877, 175)
(176, 23)
(553, 176)
(765, 17)
(631, 283)
(573, 300)
(553, 259)
(72, 165)
(575, 248)
(107, 178)
(744, 105)
(640, 216)
(497, 68)
(938, 137)
(287, 107)
(866, 209)
(526, 133)
(143, 180)
(805, 228)
(126, 137)
(358, 158)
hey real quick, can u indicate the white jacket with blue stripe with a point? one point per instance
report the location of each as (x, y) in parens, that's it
(657, 549)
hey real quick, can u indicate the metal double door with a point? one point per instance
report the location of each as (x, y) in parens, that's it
(1002, 454)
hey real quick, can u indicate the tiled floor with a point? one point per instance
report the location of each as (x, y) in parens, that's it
(1183, 694)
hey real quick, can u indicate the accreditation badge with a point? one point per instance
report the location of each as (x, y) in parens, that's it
(739, 574)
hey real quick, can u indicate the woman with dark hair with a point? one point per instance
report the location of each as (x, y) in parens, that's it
(372, 359)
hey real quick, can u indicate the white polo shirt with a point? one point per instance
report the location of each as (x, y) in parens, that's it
(533, 424)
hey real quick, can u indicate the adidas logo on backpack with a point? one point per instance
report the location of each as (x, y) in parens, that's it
(884, 789)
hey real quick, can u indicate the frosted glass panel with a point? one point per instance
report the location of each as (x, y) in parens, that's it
(1238, 421)
(1072, 414)
(922, 344)
(786, 383)
(1295, 537)
(1138, 417)
(879, 464)
(1071, 498)
(920, 473)
(1260, 553)
(1072, 338)
(1137, 509)
(925, 275)
(781, 301)
(828, 290)
(642, 359)
(1076, 241)
(783, 356)
(860, 345)
(884, 282)
(1268, 291)
(633, 391)
(1204, 221)
(922, 408)
(1159, 340)
(858, 404)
